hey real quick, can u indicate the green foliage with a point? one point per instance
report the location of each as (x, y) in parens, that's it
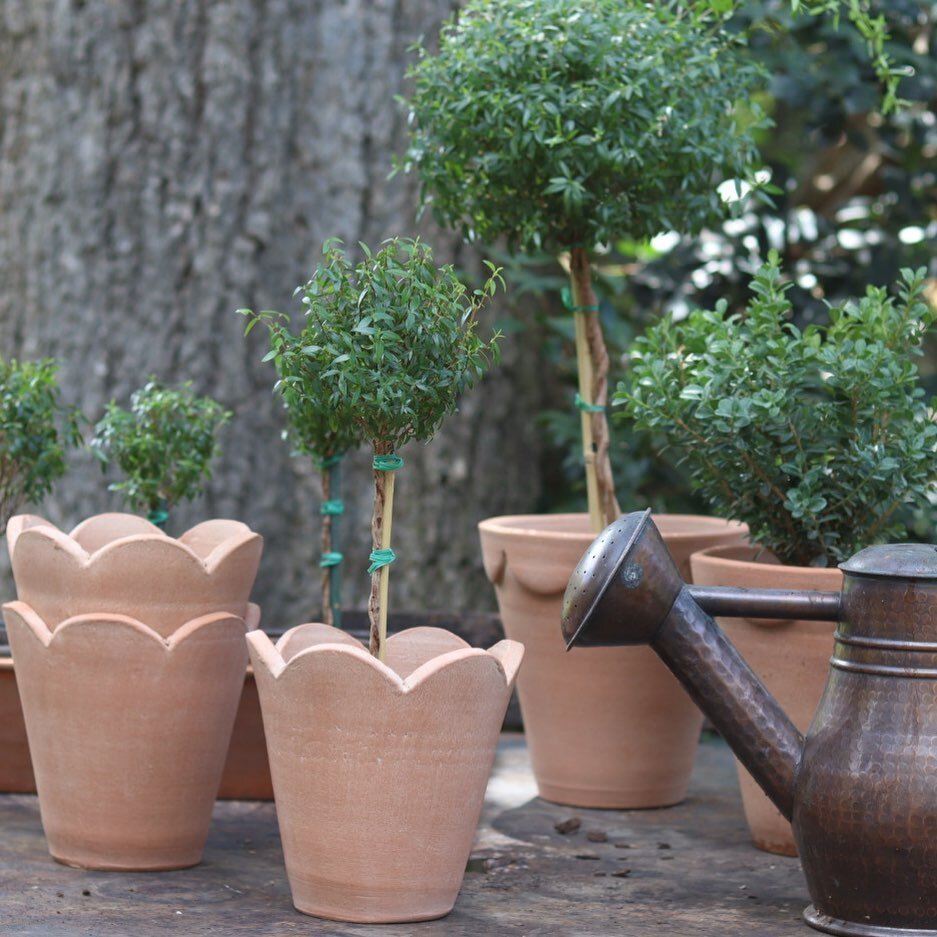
(163, 444)
(318, 425)
(814, 436)
(35, 431)
(562, 123)
(387, 345)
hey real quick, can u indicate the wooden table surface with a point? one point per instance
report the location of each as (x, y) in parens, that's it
(686, 870)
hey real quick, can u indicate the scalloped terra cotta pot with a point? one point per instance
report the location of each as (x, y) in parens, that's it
(379, 768)
(605, 727)
(791, 658)
(130, 657)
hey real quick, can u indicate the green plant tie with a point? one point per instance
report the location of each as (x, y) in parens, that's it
(568, 302)
(331, 461)
(331, 559)
(158, 517)
(387, 463)
(588, 407)
(381, 558)
(332, 508)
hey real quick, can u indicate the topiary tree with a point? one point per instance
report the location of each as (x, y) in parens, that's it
(35, 432)
(563, 125)
(391, 344)
(317, 425)
(163, 445)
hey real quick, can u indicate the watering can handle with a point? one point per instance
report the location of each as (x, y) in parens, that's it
(766, 603)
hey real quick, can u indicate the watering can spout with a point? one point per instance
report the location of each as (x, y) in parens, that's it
(627, 590)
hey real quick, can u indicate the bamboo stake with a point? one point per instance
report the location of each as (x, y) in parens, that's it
(384, 571)
(332, 543)
(584, 371)
(326, 547)
(592, 366)
(381, 538)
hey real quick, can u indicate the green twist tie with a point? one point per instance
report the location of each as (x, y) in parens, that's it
(158, 517)
(330, 559)
(380, 558)
(568, 302)
(332, 507)
(387, 463)
(589, 407)
(331, 461)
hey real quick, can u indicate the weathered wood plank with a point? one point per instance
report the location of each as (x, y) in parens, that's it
(688, 870)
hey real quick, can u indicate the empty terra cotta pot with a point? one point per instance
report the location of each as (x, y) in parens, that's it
(607, 727)
(128, 732)
(379, 769)
(122, 564)
(130, 658)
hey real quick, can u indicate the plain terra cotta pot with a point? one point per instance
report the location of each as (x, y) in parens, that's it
(605, 727)
(379, 769)
(791, 658)
(130, 658)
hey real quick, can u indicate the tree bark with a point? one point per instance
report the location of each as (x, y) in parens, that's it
(598, 464)
(164, 163)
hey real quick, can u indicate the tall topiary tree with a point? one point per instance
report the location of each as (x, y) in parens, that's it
(163, 445)
(562, 125)
(35, 432)
(390, 344)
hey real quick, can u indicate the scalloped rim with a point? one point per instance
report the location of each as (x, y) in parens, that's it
(506, 655)
(46, 636)
(32, 525)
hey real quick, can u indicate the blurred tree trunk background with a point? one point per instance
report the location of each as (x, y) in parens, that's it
(163, 163)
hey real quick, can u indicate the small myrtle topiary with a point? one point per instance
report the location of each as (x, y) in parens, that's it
(390, 343)
(564, 125)
(35, 433)
(813, 437)
(163, 445)
(318, 427)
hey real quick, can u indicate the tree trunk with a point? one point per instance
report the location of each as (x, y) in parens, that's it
(164, 163)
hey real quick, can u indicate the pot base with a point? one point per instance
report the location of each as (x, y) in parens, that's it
(832, 925)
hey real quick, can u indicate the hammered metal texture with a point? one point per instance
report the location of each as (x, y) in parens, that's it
(727, 690)
(865, 815)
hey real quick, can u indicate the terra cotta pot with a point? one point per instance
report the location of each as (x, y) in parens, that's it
(605, 727)
(379, 769)
(791, 658)
(128, 731)
(122, 564)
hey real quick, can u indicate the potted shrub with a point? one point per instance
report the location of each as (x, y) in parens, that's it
(380, 756)
(35, 432)
(562, 126)
(814, 437)
(129, 648)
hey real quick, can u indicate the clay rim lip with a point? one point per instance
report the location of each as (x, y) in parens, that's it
(210, 563)
(269, 656)
(526, 526)
(47, 636)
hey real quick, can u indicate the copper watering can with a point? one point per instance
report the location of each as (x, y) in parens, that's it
(861, 789)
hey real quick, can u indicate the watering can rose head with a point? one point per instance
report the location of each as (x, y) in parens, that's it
(122, 564)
